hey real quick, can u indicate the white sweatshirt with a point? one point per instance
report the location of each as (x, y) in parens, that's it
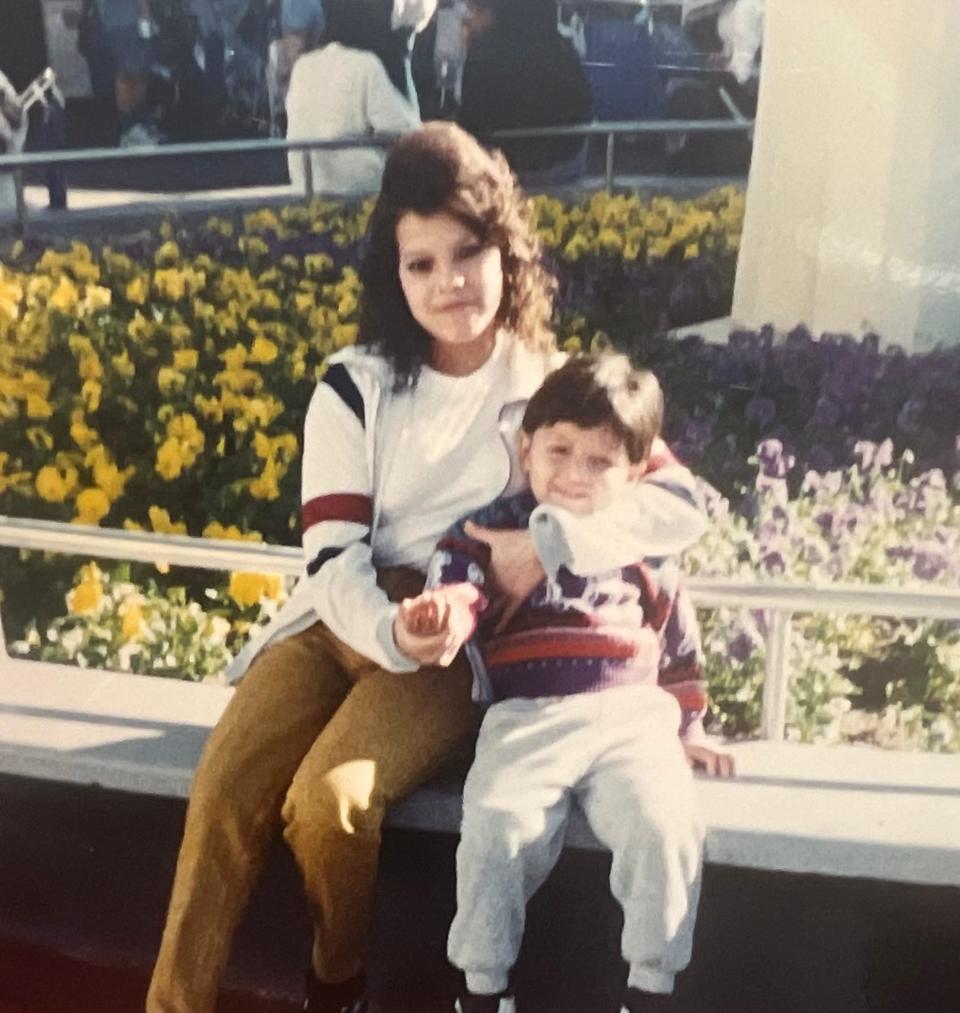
(336, 92)
(385, 474)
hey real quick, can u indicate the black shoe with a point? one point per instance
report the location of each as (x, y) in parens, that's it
(502, 1002)
(636, 1001)
(348, 996)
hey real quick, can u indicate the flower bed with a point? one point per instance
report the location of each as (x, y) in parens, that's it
(163, 386)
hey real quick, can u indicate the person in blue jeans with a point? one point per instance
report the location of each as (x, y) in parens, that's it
(117, 41)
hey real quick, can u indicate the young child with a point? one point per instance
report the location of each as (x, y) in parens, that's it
(597, 695)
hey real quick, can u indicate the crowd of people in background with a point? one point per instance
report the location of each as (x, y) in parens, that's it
(185, 70)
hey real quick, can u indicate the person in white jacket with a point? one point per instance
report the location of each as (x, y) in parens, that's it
(13, 133)
(334, 720)
(342, 90)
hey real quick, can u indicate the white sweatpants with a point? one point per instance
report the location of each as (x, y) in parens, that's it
(617, 753)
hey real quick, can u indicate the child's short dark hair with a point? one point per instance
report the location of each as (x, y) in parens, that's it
(604, 390)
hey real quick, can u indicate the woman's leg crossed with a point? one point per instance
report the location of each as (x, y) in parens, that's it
(389, 736)
(289, 694)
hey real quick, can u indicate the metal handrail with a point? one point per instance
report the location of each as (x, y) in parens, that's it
(237, 147)
(247, 145)
(611, 130)
(780, 598)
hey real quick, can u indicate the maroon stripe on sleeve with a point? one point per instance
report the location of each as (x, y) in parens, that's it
(661, 456)
(341, 506)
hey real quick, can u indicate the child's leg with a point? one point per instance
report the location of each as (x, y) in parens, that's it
(515, 805)
(639, 799)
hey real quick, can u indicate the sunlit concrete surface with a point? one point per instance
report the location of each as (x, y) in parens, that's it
(831, 810)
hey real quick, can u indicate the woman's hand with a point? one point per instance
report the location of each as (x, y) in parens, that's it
(515, 568)
(712, 762)
(432, 627)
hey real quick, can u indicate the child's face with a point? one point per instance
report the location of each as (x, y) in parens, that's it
(579, 469)
(453, 285)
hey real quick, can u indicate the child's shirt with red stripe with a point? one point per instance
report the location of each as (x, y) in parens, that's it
(580, 634)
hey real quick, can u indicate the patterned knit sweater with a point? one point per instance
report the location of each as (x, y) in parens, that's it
(581, 634)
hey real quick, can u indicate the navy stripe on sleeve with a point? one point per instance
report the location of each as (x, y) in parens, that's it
(324, 556)
(331, 552)
(340, 381)
(681, 490)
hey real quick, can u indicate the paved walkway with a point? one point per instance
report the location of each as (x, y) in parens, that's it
(36, 979)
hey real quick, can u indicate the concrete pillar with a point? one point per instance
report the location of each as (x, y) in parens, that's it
(853, 205)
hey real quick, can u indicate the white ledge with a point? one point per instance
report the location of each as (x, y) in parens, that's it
(838, 810)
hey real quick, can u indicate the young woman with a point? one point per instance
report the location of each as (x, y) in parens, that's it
(333, 720)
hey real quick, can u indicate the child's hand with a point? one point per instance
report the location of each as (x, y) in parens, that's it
(712, 762)
(424, 616)
(515, 568)
(432, 627)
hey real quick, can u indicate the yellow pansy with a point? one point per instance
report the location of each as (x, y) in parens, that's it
(170, 380)
(89, 367)
(345, 334)
(132, 623)
(162, 524)
(268, 299)
(87, 596)
(610, 240)
(65, 296)
(216, 530)
(263, 350)
(266, 486)
(91, 392)
(55, 483)
(95, 297)
(317, 263)
(250, 588)
(211, 408)
(80, 432)
(170, 460)
(123, 364)
(106, 474)
(185, 358)
(239, 381)
(139, 328)
(254, 246)
(168, 253)
(234, 358)
(136, 290)
(259, 411)
(38, 407)
(660, 247)
(261, 221)
(11, 294)
(92, 506)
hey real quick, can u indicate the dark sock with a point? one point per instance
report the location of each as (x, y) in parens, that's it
(342, 992)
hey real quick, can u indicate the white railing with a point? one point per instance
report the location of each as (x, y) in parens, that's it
(780, 599)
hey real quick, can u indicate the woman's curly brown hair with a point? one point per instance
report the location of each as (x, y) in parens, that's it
(441, 168)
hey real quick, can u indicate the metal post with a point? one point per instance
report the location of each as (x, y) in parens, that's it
(611, 142)
(21, 202)
(307, 174)
(776, 685)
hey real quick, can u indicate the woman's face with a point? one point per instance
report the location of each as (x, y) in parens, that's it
(453, 284)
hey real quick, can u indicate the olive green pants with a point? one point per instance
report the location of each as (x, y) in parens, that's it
(319, 740)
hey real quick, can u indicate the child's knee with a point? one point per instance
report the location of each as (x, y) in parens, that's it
(500, 835)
